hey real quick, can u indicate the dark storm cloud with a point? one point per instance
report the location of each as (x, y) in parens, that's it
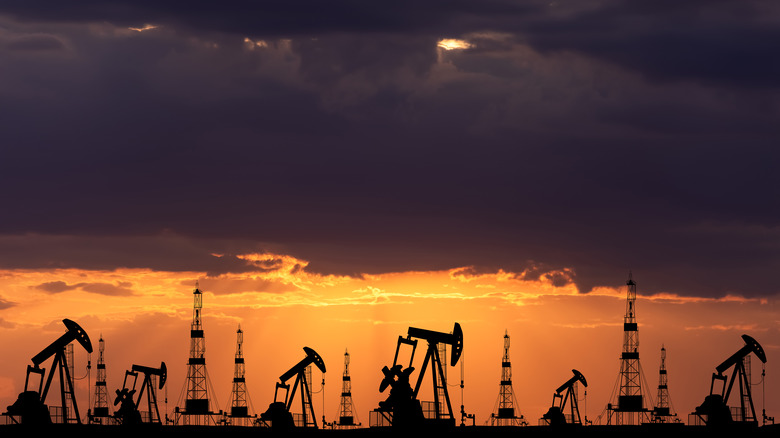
(722, 42)
(163, 252)
(35, 42)
(275, 18)
(570, 136)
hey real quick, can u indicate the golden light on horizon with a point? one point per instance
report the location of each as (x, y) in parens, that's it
(144, 316)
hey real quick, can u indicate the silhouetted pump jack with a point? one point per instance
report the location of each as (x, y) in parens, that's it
(405, 408)
(128, 413)
(31, 405)
(278, 412)
(402, 401)
(715, 410)
(555, 415)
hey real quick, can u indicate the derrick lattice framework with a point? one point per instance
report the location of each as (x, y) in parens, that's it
(630, 408)
(239, 409)
(100, 408)
(308, 402)
(663, 411)
(70, 415)
(440, 385)
(505, 414)
(196, 408)
(346, 418)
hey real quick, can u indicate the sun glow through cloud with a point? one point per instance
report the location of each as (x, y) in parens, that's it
(453, 44)
(251, 44)
(144, 28)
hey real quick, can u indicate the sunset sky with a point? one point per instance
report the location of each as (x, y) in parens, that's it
(333, 172)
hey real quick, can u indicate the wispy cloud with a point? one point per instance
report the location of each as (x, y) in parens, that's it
(591, 325)
(5, 304)
(728, 327)
(122, 288)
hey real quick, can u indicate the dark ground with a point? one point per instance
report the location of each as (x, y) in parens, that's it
(88, 431)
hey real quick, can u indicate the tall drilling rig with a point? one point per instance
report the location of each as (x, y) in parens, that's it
(347, 418)
(663, 410)
(196, 408)
(504, 414)
(630, 408)
(239, 409)
(100, 408)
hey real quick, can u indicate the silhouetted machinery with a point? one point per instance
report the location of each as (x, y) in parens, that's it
(128, 412)
(402, 403)
(715, 410)
(555, 415)
(31, 405)
(278, 412)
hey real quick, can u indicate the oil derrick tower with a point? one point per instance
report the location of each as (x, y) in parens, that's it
(196, 408)
(504, 415)
(99, 413)
(630, 408)
(239, 410)
(347, 418)
(663, 411)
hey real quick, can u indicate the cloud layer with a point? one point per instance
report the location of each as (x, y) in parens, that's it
(591, 138)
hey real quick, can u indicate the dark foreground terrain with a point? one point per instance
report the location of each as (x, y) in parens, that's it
(653, 430)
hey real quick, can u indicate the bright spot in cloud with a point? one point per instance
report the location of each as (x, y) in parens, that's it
(453, 44)
(252, 44)
(142, 29)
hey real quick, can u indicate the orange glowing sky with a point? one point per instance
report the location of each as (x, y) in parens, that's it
(144, 317)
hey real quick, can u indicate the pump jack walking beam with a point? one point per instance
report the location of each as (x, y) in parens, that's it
(60, 363)
(737, 361)
(454, 339)
(299, 371)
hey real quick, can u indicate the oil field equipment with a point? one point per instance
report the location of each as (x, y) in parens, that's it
(99, 414)
(239, 407)
(630, 408)
(129, 412)
(278, 412)
(714, 411)
(504, 413)
(403, 408)
(346, 416)
(566, 393)
(197, 409)
(30, 406)
(663, 408)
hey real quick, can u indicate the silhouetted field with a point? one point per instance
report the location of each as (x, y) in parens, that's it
(148, 431)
